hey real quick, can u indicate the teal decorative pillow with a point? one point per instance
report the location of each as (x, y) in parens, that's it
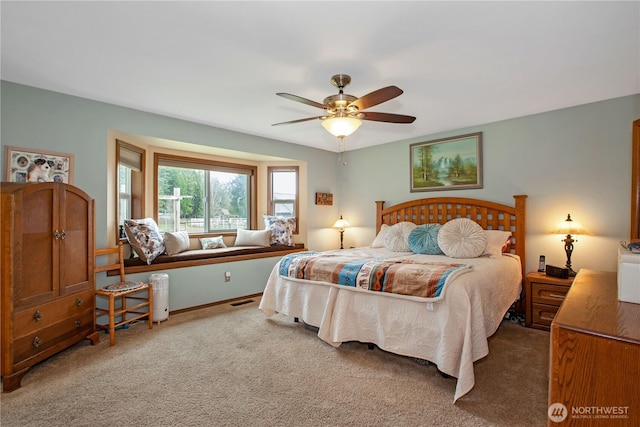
(424, 239)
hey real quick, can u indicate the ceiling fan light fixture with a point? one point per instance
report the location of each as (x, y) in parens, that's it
(343, 113)
(341, 126)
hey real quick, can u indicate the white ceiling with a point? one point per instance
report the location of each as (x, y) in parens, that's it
(221, 63)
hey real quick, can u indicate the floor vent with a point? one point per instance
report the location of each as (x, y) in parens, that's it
(236, 304)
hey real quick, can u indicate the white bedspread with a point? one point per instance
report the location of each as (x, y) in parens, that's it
(452, 332)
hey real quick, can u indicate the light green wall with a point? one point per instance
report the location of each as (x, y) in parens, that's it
(193, 286)
(44, 120)
(575, 160)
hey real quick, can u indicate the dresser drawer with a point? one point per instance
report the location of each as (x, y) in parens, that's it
(36, 318)
(73, 328)
(545, 293)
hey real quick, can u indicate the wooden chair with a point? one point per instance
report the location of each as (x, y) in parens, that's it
(120, 296)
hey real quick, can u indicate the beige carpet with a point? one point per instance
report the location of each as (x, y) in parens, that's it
(232, 366)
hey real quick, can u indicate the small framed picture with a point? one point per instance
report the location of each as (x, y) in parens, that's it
(325, 199)
(27, 165)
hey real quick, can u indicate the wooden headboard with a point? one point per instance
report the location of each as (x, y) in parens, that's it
(490, 216)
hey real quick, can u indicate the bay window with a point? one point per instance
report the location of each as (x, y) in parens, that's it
(130, 182)
(283, 192)
(202, 196)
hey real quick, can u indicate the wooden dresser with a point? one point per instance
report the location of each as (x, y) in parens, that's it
(595, 356)
(48, 285)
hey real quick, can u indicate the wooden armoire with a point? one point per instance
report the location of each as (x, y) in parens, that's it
(48, 284)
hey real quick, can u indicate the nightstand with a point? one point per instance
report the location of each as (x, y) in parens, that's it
(543, 296)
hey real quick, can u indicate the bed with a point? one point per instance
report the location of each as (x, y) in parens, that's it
(448, 325)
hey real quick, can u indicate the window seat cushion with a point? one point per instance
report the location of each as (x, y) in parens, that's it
(194, 257)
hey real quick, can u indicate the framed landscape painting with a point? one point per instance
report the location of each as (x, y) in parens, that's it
(447, 164)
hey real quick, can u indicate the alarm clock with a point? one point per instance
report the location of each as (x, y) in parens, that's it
(560, 272)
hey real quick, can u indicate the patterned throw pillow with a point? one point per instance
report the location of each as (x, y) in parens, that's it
(424, 239)
(462, 238)
(397, 238)
(144, 238)
(281, 229)
(212, 242)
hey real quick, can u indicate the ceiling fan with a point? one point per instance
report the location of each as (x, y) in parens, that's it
(344, 113)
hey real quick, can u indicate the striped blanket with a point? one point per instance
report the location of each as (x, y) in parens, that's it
(396, 275)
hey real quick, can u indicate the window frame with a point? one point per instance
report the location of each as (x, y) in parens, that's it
(270, 200)
(189, 162)
(137, 200)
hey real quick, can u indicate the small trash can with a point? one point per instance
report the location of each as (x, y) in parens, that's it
(160, 283)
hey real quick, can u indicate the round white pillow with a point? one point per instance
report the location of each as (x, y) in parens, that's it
(397, 237)
(462, 238)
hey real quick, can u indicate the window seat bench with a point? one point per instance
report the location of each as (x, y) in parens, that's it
(195, 257)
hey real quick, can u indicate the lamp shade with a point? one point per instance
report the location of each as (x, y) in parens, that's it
(341, 223)
(569, 226)
(341, 126)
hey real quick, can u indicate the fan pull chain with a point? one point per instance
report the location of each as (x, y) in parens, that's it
(341, 152)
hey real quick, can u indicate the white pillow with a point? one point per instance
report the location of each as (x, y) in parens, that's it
(397, 238)
(212, 242)
(496, 240)
(253, 237)
(462, 238)
(378, 242)
(176, 242)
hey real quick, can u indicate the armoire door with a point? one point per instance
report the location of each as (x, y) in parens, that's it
(35, 252)
(76, 241)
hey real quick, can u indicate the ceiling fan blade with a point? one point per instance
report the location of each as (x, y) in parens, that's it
(386, 117)
(377, 97)
(301, 99)
(297, 121)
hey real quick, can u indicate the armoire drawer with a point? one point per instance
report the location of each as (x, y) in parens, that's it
(36, 318)
(41, 340)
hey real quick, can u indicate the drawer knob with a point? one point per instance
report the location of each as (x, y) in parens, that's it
(79, 301)
(36, 342)
(78, 323)
(37, 316)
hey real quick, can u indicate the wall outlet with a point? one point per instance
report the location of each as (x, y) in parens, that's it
(227, 276)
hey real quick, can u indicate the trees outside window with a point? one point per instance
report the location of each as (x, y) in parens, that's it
(204, 196)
